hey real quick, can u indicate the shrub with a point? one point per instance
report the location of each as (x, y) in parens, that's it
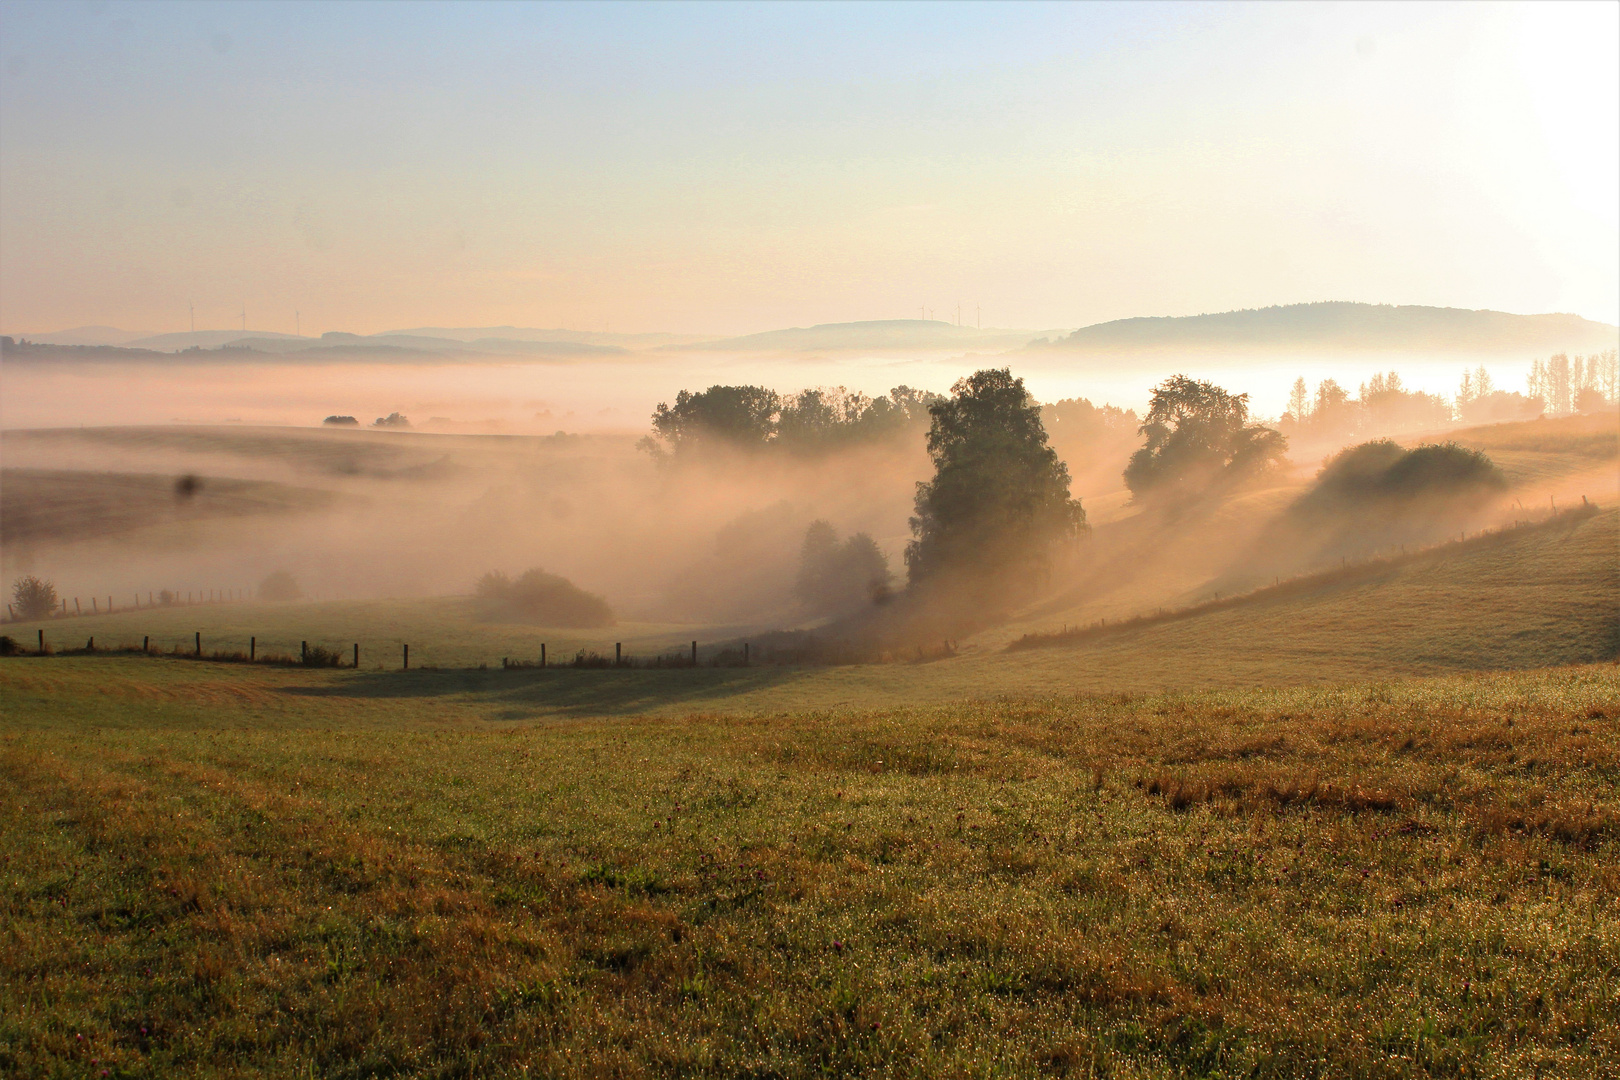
(320, 656)
(536, 596)
(279, 585)
(1380, 474)
(344, 421)
(9, 646)
(33, 598)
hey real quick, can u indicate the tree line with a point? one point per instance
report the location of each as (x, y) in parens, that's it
(1556, 386)
(756, 418)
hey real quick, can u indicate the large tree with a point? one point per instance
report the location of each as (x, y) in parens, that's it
(999, 497)
(1197, 433)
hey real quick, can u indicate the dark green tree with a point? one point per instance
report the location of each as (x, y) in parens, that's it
(1197, 433)
(999, 498)
(741, 416)
(33, 598)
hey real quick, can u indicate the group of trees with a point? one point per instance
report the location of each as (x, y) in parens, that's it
(1479, 401)
(1381, 404)
(1557, 386)
(754, 417)
(987, 523)
(1585, 384)
(1089, 437)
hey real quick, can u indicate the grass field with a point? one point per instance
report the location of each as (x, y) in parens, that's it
(1362, 824)
(215, 870)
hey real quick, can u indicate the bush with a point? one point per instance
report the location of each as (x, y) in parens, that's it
(320, 656)
(280, 585)
(392, 420)
(344, 421)
(536, 596)
(1380, 474)
(33, 598)
(9, 646)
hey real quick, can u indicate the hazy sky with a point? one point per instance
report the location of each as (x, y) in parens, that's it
(731, 168)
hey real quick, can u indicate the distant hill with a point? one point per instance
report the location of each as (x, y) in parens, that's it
(433, 346)
(330, 346)
(1346, 326)
(89, 335)
(204, 339)
(907, 334)
(523, 333)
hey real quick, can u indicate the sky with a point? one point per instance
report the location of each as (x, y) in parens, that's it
(733, 168)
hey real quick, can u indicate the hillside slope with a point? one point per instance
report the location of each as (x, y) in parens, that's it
(1526, 598)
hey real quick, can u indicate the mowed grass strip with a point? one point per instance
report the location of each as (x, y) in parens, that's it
(1402, 879)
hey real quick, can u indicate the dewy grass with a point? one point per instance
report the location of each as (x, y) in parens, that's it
(210, 870)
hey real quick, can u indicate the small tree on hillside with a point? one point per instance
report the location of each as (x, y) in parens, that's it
(1198, 433)
(836, 577)
(32, 598)
(1000, 496)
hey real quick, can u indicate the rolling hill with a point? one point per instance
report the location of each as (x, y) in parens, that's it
(1350, 327)
(899, 334)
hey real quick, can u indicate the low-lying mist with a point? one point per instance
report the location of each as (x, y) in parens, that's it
(715, 539)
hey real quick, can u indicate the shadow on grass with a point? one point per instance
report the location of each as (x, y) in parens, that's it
(562, 692)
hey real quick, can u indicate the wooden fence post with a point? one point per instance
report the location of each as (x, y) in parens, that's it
(95, 609)
(694, 654)
(618, 652)
(90, 646)
(303, 652)
(146, 644)
(199, 644)
(253, 649)
(357, 656)
(407, 666)
(77, 610)
(542, 654)
(42, 641)
(109, 605)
